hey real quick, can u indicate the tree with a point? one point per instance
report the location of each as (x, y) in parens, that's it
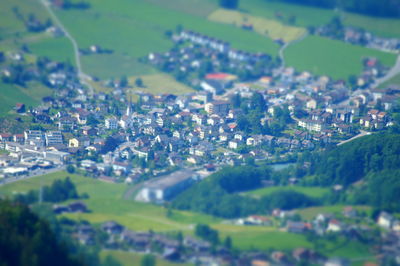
(70, 169)
(123, 83)
(148, 260)
(139, 83)
(230, 4)
(228, 242)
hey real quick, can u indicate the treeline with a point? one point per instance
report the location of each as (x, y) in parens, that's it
(352, 161)
(381, 8)
(25, 239)
(217, 195)
(60, 190)
(374, 160)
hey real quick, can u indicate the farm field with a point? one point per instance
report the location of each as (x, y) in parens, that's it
(46, 47)
(267, 27)
(136, 28)
(395, 80)
(106, 203)
(339, 60)
(11, 94)
(160, 83)
(126, 258)
(315, 192)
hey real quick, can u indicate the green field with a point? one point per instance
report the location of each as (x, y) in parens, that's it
(160, 83)
(136, 28)
(315, 192)
(336, 59)
(57, 49)
(268, 27)
(126, 258)
(11, 94)
(106, 203)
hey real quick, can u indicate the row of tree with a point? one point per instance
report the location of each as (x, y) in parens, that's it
(58, 191)
(381, 8)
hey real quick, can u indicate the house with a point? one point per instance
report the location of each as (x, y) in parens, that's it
(334, 226)
(297, 227)
(167, 187)
(19, 108)
(79, 142)
(34, 137)
(385, 220)
(112, 228)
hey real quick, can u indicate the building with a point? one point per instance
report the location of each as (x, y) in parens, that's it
(34, 137)
(111, 123)
(165, 188)
(217, 107)
(53, 138)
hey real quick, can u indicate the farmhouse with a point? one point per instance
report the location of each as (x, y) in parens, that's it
(167, 187)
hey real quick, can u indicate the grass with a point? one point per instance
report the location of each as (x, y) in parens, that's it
(161, 83)
(385, 27)
(305, 15)
(267, 27)
(315, 192)
(126, 258)
(11, 94)
(135, 28)
(310, 213)
(336, 59)
(106, 203)
(57, 49)
(393, 81)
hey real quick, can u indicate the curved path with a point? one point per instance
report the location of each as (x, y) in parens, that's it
(84, 78)
(286, 45)
(392, 73)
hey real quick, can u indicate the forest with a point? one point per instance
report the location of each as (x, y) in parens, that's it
(218, 194)
(25, 239)
(380, 8)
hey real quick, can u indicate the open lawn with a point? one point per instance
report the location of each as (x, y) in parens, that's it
(12, 94)
(267, 27)
(336, 59)
(315, 192)
(57, 49)
(160, 83)
(126, 258)
(106, 203)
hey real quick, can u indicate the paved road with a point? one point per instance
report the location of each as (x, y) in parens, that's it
(34, 173)
(362, 134)
(393, 72)
(84, 78)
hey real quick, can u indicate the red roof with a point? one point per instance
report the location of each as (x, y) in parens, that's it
(217, 76)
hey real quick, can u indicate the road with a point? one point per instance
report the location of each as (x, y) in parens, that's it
(362, 134)
(83, 77)
(34, 173)
(393, 72)
(286, 45)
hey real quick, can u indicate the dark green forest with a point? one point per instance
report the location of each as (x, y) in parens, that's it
(379, 8)
(25, 239)
(218, 194)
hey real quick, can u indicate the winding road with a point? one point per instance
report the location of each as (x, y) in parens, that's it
(83, 77)
(392, 73)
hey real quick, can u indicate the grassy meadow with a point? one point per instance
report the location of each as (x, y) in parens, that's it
(337, 59)
(268, 27)
(106, 203)
(126, 258)
(315, 192)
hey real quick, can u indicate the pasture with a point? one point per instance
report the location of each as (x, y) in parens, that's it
(336, 59)
(315, 192)
(126, 258)
(160, 83)
(267, 27)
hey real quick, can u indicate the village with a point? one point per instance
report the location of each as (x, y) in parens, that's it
(167, 142)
